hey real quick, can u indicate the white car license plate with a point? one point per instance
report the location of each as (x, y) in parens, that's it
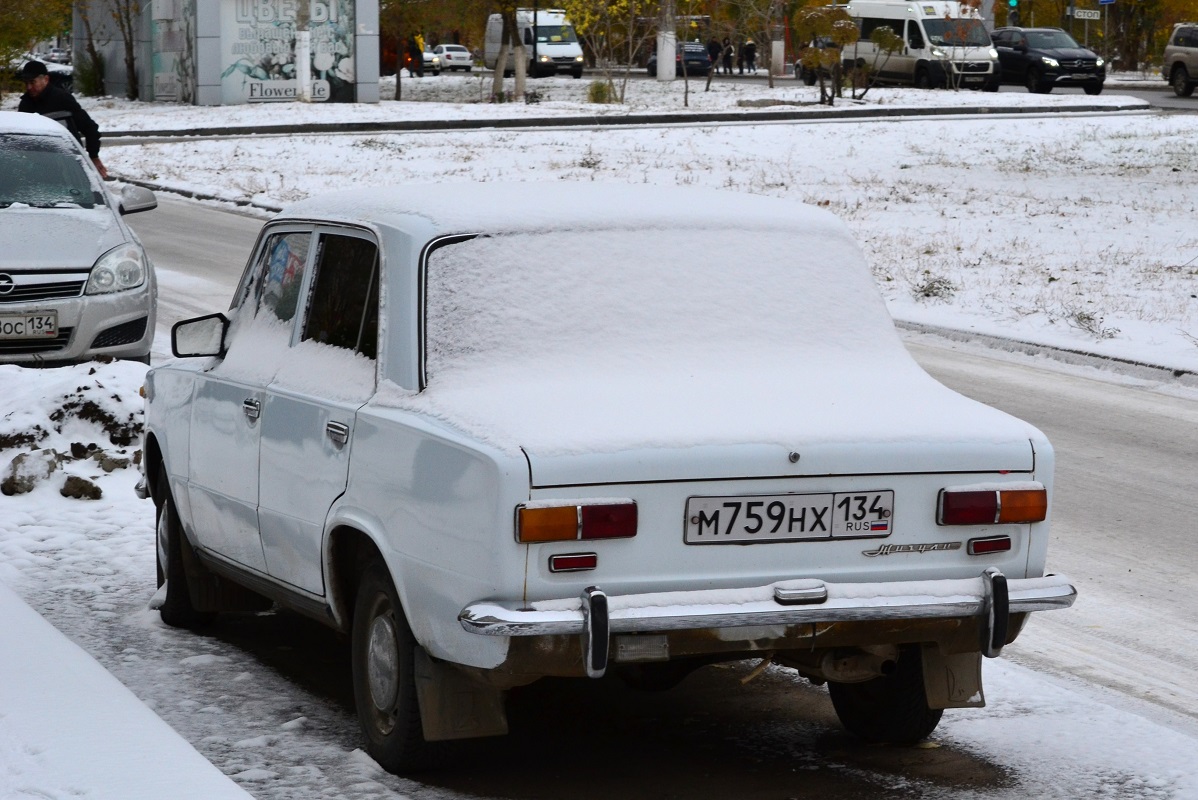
(788, 517)
(39, 324)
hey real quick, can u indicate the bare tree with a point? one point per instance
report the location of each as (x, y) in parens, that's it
(612, 33)
(512, 47)
(94, 59)
(126, 13)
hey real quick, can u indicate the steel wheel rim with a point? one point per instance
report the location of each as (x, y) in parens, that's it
(382, 663)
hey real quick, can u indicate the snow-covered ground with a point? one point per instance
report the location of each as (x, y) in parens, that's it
(1062, 229)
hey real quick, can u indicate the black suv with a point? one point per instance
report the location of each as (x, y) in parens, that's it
(1042, 58)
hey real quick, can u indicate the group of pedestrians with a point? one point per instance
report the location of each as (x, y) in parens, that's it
(722, 55)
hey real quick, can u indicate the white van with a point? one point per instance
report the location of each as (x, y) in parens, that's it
(552, 49)
(945, 44)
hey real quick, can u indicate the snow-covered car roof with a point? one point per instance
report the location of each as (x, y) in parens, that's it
(17, 122)
(530, 207)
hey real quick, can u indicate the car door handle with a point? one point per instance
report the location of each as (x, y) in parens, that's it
(251, 407)
(338, 432)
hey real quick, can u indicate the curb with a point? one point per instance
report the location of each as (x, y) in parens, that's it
(400, 126)
(1066, 355)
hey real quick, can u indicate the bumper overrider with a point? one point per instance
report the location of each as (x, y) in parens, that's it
(990, 597)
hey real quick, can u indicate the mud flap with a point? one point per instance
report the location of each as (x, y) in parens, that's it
(452, 706)
(209, 592)
(952, 681)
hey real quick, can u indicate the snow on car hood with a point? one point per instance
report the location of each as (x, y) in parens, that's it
(689, 353)
(36, 238)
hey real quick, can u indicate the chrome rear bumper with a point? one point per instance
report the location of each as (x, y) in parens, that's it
(991, 596)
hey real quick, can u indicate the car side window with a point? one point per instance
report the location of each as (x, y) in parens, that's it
(914, 36)
(344, 306)
(280, 273)
(871, 24)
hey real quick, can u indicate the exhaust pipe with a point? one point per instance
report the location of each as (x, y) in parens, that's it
(855, 666)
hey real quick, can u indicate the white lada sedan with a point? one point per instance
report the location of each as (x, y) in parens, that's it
(565, 430)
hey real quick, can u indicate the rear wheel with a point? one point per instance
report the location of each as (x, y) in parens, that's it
(890, 708)
(1180, 81)
(176, 609)
(383, 661)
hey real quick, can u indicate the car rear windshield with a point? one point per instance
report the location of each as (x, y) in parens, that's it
(536, 304)
(957, 32)
(44, 172)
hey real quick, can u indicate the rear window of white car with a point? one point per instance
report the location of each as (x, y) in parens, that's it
(620, 299)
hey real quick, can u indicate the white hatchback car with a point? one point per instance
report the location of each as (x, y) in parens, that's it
(75, 282)
(454, 56)
(566, 429)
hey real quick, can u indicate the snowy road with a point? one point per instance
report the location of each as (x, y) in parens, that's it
(1098, 701)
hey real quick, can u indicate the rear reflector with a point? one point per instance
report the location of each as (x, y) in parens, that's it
(990, 544)
(992, 506)
(573, 562)
(571, 522)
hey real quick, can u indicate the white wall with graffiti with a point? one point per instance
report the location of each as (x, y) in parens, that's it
(228, 52)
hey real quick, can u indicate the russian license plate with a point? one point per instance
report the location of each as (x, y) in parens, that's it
(36, 325)
(788, 517)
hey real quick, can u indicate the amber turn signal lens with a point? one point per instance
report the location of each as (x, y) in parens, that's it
(554, 524)
(1023, 505)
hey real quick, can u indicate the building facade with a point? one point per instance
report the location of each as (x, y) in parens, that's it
(228, 52)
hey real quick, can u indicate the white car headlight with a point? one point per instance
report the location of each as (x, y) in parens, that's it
(118, 270)
(1052, 62)
(579, 59)
(1100, 61)
(993, 53)
(936, 52)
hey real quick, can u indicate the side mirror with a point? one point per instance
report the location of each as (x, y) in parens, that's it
(201, 336)
(137, 198)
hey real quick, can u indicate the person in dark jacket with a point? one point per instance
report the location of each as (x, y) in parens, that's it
(726, 55)
(750, 51)
(61, 106)
(713, 52)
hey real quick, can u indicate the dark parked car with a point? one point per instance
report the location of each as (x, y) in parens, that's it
(1044, 58)
(692, 54)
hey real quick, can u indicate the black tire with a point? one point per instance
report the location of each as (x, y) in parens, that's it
(990, 87)
(1035, 82)
(1180, 81)
(176, 609)
(1093, 88)
(923, 79)
(577, 73)
(808, 77)
(891, 708)
(383, 660)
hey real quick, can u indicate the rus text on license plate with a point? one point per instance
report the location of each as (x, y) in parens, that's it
(787, 517)
(38, 324)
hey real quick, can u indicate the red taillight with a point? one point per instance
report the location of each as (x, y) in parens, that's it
(968, 508)
(996, 506)
(615, 521)
(990, 544)
(569, 522)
